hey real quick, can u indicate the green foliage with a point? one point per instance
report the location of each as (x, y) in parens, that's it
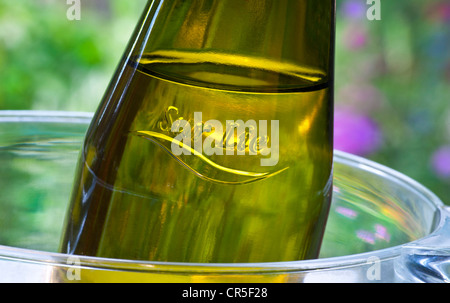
(48, 62)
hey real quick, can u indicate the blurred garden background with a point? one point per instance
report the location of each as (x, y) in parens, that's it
(392, 75)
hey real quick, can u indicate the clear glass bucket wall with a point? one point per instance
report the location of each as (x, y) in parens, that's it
(383, 226)
(246, 88)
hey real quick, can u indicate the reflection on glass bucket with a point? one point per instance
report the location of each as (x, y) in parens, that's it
(383, 226)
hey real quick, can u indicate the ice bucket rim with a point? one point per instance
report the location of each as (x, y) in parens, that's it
(58, 259)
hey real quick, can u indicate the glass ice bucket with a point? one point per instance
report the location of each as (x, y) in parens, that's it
(383, 226)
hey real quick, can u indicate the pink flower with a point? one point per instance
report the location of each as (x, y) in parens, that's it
(355, 37)
(440, 12)
(440, 161)
(356, 133)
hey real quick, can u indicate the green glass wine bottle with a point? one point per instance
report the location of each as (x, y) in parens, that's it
(213, 142)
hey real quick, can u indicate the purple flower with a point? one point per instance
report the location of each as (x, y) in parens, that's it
(355, 133)
(354, 9)
(439, 12)
(355, 38)
(441, 161)
(366, 236)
